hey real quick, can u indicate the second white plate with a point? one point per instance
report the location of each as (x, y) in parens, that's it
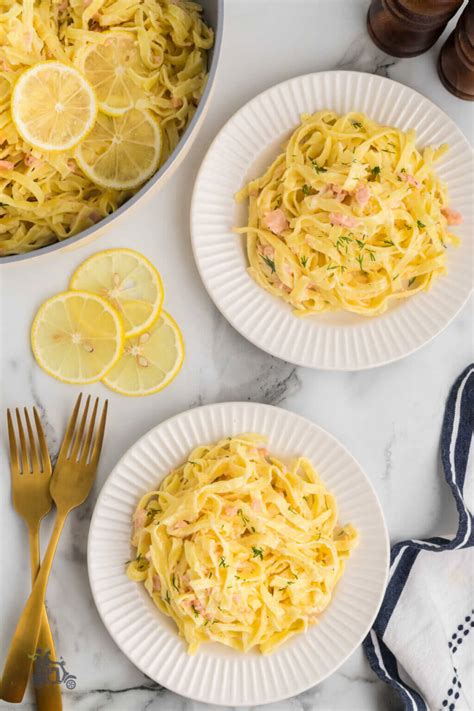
(217, 674)
(245, 146)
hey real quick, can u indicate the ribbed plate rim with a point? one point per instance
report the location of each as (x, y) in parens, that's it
(207, 416)
(292, 350)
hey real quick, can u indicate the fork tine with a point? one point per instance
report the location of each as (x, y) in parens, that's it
(25, 465)
(15, 462)
(64, 451)
(80, 432)
(42, 443)
(35, 464)
(100, 435)
(90, 433)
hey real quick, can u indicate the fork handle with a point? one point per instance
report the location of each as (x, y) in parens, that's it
(48, 696)
(19, 661)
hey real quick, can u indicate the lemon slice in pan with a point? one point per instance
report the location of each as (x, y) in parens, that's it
(113, 66)
(53, 106)
(121, 152)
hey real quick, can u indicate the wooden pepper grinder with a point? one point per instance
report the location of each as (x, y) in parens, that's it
(406, 28)
(456, 59)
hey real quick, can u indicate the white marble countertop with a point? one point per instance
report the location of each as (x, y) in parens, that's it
(266, 41)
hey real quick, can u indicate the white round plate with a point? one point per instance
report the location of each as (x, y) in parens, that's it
(217, 674)
(246, 146)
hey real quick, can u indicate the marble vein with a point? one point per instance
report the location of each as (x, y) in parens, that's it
(363, 56)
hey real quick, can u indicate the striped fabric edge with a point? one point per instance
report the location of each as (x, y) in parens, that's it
(456, 435)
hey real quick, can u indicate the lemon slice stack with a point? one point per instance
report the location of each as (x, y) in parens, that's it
(128, 281)
(94, 109)
(110, 326)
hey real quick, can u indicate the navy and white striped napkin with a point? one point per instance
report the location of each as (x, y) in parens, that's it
(422, 640)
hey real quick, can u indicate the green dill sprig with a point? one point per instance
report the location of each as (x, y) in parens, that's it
(333, 267)
(388, 243)
(375, 170)
(304, 261)
(141, 561)
(306, 189)
(356, 124)
(244, 518)
(360, 259)
(289, 582)
(222, 563)
(257, 552)
(343, 241)
(420, 224)
(269, 262)
(318, 168)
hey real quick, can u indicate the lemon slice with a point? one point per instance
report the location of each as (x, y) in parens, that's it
(121, 151)
(128, 281)
(150, 361)
(53, 106)
(77, 337)
(115, 70)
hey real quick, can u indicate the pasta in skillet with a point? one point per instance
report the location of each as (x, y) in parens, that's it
(239, 549)
(351, 215)
(46, 197)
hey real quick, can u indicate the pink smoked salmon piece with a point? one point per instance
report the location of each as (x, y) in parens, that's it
(362, 194)
(343, 220)
(452, 216)
(276, 221)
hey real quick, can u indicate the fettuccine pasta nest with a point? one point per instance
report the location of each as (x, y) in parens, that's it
(239, 549)
(351, 215)
(46, 197)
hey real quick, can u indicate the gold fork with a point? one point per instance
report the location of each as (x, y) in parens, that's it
(30, 479)
(71, 483)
